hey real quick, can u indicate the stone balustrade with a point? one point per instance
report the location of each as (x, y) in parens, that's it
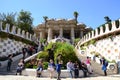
(17, 32)
(103, 30)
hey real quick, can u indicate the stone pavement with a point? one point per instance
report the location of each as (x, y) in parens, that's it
(13, 77)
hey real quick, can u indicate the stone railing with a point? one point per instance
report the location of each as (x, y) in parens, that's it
(103, 30)
(17, 32)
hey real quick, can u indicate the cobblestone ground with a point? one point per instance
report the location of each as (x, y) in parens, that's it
(13, 77)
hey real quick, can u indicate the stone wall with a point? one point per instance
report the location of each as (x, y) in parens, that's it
(108, 47)
(10, 46)
(107, 41)
(103, 30)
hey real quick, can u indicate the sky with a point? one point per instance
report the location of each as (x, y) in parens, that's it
(91, 12)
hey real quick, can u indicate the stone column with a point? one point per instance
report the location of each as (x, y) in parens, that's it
(41, 35)
(49, 34)
(72, 34)
(61, 32)
(81, 33)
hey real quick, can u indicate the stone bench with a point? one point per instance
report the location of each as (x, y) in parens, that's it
(45, 73)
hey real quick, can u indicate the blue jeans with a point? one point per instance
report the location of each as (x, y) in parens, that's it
(71, 75)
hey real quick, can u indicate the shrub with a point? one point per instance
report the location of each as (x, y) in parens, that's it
(43, 55)
(45, 65)
(65, 49)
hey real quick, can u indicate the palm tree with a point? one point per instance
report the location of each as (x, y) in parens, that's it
(76, 16)
(107, 19)
(45, 19)
(8, 18)
(25, 21)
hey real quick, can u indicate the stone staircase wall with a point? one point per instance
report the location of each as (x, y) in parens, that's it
(96, 66)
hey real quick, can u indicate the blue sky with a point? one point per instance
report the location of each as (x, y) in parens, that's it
(91, 12)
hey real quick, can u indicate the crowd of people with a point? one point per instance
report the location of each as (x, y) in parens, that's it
(26, 51)
(72, 67)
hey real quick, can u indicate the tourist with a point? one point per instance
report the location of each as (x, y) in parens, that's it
(76, 69)
(118, 66)
(9, 63)
(40, 68)
(104, 66)
(84, 68)
(20, 67)
(70, 68)
(24, 50)
(88, 63)
(58, 69)
(51, 68)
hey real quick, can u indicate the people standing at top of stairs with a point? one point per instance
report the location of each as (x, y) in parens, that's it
(9, 63)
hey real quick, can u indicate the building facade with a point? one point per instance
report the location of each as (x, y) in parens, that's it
(68, 29)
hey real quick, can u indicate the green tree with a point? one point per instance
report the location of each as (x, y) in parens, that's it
(8, 18)
(25, 21)
(76, 16)
(76, 41)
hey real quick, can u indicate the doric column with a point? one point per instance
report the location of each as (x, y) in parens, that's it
(42, 34)
(61, 32)
(49, 34)
(81, 33)
(72, 34)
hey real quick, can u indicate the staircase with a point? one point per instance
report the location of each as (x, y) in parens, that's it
(3, 71)
(97, 71)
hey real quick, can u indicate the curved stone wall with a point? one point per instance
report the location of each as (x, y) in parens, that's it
(106, 29)
(17, 32)
(107, 47)
(10, 46)
(107, 39)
